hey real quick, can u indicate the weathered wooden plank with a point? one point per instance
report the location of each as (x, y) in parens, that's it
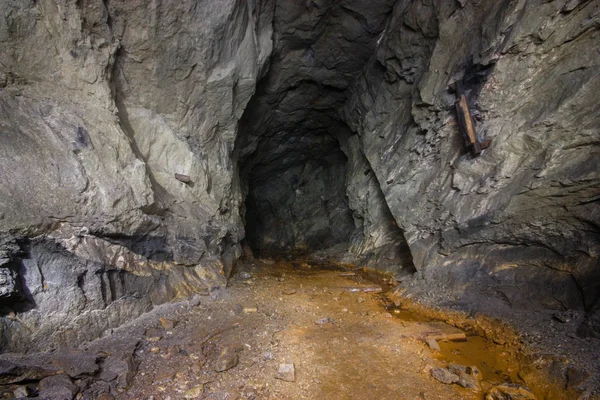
(435, 330)
(443, 332)
(465, 122)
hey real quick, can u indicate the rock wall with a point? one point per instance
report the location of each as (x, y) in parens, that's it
(519, 224)
(332, 119)
(101, 104)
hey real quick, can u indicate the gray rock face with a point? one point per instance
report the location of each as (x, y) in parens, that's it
(521, 221)
(308, 124)
(8, 285)
(100, 106)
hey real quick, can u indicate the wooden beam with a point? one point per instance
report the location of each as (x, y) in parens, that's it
(465, 122)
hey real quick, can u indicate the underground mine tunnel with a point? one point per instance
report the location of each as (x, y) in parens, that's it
(275, 199)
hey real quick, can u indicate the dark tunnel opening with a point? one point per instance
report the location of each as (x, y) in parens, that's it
(293, 171)
(306, 183)
(298, 202)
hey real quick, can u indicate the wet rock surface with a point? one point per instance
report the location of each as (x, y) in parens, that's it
(444, 375)
(510, 392)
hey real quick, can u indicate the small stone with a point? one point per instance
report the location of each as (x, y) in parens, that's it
(153, 335)
(324, 321)
(248, 310)
(154, 350)
(288, 291)
(174, 350)
(360, 300)
(474, 372)
(168, 323)
(21, 392)
(444, 375)
(576, 377)
(286, 373)
(227, 360)
(244, 276)
(510, 391)
(468, 377)
(121, 366)
(194, 392)
(163, 375)
(57, 387)
(468, 381)
(457, 369)
(344, 310)
(194, 301)
(433, 344)
(183, 178)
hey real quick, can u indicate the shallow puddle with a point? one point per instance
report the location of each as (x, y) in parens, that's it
(406, 315)
(492, 360)
(496, 362)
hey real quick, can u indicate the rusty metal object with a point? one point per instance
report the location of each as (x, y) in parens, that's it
(465, 121)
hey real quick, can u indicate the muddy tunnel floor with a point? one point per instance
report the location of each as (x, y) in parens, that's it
(282, 329)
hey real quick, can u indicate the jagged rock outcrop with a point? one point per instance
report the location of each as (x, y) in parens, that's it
(101, 105)
(308, 124)
(519, 223)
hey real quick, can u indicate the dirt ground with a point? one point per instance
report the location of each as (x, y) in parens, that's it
(341, 336)
(294, 328)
